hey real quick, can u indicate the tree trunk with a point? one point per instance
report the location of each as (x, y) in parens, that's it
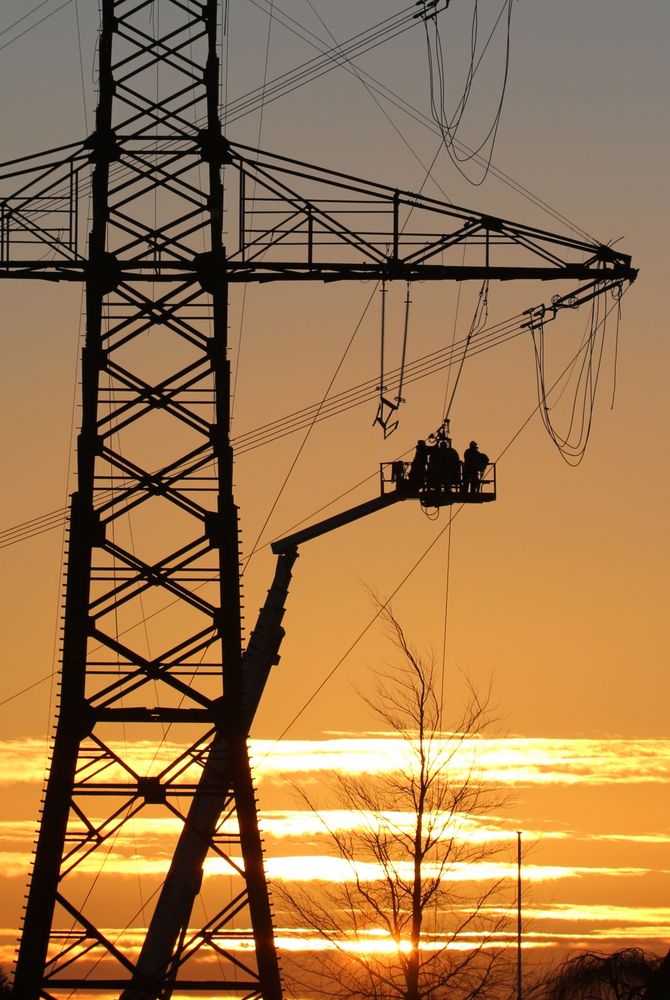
(414, 961)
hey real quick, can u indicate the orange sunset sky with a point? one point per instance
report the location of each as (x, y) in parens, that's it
(557, 593)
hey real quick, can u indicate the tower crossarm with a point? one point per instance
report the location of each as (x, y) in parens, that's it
(301, 221)
(287, 220)
(40, 226)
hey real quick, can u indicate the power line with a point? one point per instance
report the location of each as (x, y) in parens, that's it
(32, 26)
(329, 58)
(449, 126)
(375, 87)
(373, 475)
(14, 24)
(331, 673)
(382, 607)
(314, 419)
(329, 407)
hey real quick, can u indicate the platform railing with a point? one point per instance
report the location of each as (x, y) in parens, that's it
(394, 477)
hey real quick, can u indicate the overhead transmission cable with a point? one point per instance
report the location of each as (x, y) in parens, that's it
(446, 409)
(575, 357)
(453, 515)
(454, 330)
(397, 101)
(383, 605)
(310, 426)
(375, 87)
(353, 69)
(572, 442)
(20, 20)
(364, 392)
(388, 407)
(477, 325)
(449, 125)
(367, 391)
(241, 445)
(327, 59)
(30, 27)
(615, 365)
(382, 416)
(240, 338)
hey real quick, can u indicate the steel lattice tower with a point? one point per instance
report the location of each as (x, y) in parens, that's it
(169, 142)
(154, 443)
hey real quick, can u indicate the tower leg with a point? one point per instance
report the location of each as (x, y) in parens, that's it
(149, 532)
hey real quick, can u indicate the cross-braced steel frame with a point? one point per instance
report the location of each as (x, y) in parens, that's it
(157, 199)
(151, 735)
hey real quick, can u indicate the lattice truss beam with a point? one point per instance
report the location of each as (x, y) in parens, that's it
(149, 759)
(285, 220)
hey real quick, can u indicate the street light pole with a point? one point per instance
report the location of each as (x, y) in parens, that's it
(518, 915)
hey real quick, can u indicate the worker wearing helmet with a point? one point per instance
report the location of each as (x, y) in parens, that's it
(419, 467)
(444, 467)
(474, 464)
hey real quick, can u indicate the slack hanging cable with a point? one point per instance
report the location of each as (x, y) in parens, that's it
(584, 372)
(617, 294)
(389, 407)
(386, 408)
(478, 322)
(399, 398)
(449, 125)
(358, 395)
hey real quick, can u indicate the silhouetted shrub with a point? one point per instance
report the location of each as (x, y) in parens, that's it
(620, 975)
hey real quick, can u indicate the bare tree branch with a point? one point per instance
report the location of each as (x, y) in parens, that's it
(442, 932)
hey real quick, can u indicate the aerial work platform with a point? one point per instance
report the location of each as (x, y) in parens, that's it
(395, 478)
(396, 486)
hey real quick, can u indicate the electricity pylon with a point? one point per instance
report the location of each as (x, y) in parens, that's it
(154, 442)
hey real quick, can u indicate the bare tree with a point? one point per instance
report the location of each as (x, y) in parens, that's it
(417, 829)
